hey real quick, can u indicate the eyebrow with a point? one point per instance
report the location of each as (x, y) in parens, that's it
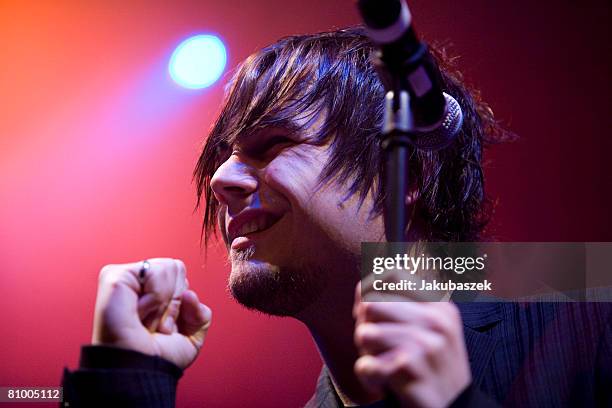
(286, 125)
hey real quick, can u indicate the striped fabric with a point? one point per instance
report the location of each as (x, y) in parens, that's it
(521, 355)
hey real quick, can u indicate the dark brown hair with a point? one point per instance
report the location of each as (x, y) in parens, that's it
(331, 72)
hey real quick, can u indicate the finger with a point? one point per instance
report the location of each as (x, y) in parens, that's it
(117, 302)
(193, 315)
(367, 373)
(181, 284)
(159, 279)
(165, 273)
(388, 370)
(115, 309)
(168, 320)
(376, 372)
(167, 323)
(117, 296)
(159, 285)
(148, 305)
(194, 318)
(423, 314)
(111, 275)
(377, 338)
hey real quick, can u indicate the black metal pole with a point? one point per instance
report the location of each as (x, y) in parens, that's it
(395, 143)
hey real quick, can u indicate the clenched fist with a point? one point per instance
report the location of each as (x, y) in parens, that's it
(156, 315)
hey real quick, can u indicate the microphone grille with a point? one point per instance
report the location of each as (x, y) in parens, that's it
(443, 133)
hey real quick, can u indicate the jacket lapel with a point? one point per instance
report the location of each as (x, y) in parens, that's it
(478, 319)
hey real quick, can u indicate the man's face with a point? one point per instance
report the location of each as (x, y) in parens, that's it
(290, 239)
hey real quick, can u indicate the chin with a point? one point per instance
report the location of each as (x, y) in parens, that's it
(273, 289)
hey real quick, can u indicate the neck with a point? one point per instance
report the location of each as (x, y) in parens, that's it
(331, 325)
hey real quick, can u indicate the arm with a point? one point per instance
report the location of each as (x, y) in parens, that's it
(109, 376)
(147, 329)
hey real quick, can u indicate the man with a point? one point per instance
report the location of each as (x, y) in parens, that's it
(290, 173)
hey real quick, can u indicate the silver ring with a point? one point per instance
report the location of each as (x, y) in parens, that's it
(142, 274)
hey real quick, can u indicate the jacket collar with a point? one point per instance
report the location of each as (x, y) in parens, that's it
(478, 319)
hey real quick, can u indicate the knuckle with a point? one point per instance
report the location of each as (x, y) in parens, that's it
(450, 320)
(444, 325)
(440, 319)
(403, 363)
(363, 366)
(453, 311)
(166, 275)
(366, 333)
(180, 265)
(368, 310)
(365, 308)
(105, 271)
(165, 268)
(172, 271)
(402, 359)
(359, 368)
(358, 335)
(434, 347)
(110, 276)
(160, 287)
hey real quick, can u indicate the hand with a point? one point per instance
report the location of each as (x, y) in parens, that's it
(162, 318)
(413, 349)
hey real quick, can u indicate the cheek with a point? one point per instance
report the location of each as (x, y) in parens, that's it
(292, 176)
(351, 222)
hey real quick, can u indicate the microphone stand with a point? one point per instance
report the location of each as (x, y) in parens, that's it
(397, 126)
(396, 139)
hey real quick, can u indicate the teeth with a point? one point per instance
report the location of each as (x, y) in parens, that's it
(244, 229)
(252, 226)
(262, 222)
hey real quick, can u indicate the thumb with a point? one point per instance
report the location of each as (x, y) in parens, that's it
(194, 318)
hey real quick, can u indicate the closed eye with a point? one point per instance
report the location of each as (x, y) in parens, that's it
(277, 140)
(271, 146)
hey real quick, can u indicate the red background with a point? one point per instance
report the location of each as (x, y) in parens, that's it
(97, 146)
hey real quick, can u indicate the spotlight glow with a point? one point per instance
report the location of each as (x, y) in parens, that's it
(198, 61)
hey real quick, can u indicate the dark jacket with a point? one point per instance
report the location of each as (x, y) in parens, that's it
(521, 355)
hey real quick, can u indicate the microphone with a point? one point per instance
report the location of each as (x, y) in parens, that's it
(402, 57)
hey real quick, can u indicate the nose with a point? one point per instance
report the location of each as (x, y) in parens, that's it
(234, 183)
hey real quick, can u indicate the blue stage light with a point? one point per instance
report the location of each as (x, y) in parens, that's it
(198, 61)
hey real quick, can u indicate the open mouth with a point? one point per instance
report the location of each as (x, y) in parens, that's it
(249, 223)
